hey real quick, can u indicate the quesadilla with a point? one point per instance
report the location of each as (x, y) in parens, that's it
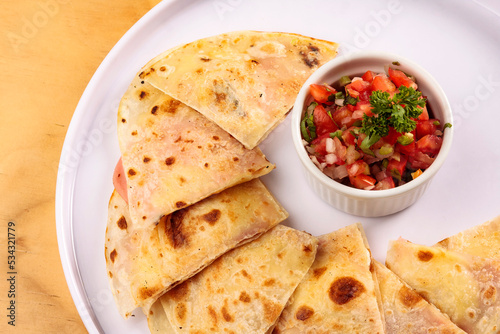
(243, 291)
(142, 265)
(463, 286)
(405, 311)
(339, 294)
(173, 156)
(482, 240)
(244, 81)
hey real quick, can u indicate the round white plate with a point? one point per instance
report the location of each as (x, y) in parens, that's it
(457, 41)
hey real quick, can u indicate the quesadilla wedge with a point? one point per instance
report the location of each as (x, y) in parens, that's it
(173, 156)
(142, 267)
(243, 291)
(482, 240)
(405, 311)
(339, 293)
(463, 286)
(245, 81)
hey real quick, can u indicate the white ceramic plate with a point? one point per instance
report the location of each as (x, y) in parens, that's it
(458, 42)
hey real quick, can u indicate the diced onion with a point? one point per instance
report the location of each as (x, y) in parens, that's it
(330, 145)
(336, 172)
(339, 102)
(330, 159)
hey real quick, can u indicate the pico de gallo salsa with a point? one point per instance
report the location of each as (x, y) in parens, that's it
(371, 132)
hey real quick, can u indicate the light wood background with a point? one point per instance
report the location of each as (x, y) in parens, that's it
(49, 50)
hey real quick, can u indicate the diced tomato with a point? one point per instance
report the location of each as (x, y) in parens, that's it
(359, 85)
(362, 181)
(365, 107)
(420, 160)
(340, 151)
(427, 127)
(368, 76)
(424, 115)
(392, 137)
(397, 168)
(343, 117)
(383, 83)
(409, 149)
(430, 144)
(319, 144)
(321, 93)
(348, 137)
(358, 167)
(386, 183)
(324, 123)
(401, 79)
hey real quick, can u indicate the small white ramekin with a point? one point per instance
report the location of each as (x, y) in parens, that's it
(380, 202)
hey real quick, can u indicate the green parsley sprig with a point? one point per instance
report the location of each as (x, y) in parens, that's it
(397, 112)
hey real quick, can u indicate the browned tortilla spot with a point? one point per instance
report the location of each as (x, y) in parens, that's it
(180, 311)
(235, 159)
(490, 293)
(169, 161)
(245, 297)
(307, 248)
(304, 312)
(173, 228)
(425, 256)
(154, 110)
(212, 217)
(206, 164)
(408, 297)
(318, 272)
(216, 137)
(225, 314)
(122, 223)
(180, 204)
(124, 120)
(205, 59)
(269, 282)
(146, 292)
(134, 133)
(110, 274)
(212, 314)
(131, 172)
(345, 289)
(272, 310)
(199, 71)
(142, 94)
(179, 292)
(112, 255)
(171, 106)
(163, 68)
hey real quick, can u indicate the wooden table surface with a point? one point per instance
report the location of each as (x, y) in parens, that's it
(49, 51)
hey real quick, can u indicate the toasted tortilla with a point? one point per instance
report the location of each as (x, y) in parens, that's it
(142, 267)
(240, 78)
(173, 156)
(463, 286)
(481, 240)
(405, 311)
(339, 293)
(243, 291)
